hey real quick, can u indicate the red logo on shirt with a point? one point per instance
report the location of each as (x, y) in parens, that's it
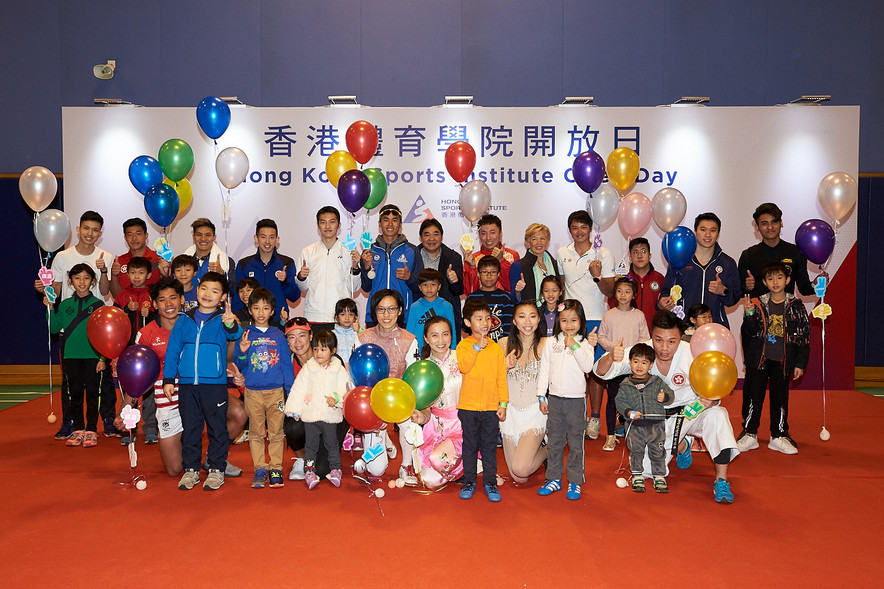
(678, 380)
(655, 286)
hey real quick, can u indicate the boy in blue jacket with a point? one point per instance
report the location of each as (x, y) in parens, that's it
(197, 354)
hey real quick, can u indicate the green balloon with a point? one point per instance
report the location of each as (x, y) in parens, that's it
(378, 188)
(176, 159)
(426, 380)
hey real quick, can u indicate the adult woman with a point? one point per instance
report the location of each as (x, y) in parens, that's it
(527, 273)
(525, 425)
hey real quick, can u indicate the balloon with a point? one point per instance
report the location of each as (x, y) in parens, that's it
(713, 337)
(354, 189)
(460, 159)
(369, 365)
(837, 194)
(622, 168)
(185, 193)
(362, 141)
(603, 205)
(176, 159)
(588, 170)
(52, 229)
(713, 375)
(338, 163)
(392, 400)
(108, 330)
(475, 198)
(635, 213)
(816, 240)
(144, 172)
(137, 369)
(358, 411)
(231, 167)
(426, 379)
(213, 116)
(668, 209)
(378, 187)
(38, 187)
(161, 203)
(679, 246)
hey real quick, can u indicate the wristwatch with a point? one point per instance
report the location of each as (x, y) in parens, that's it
(596, 279)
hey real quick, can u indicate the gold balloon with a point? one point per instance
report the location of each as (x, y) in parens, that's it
(392, 400)
(622, 167)
(338, 163)
(185, 193)
(713, 375)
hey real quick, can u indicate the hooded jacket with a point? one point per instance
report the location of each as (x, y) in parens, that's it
(197, 352)
(314, 383)
(386, 260)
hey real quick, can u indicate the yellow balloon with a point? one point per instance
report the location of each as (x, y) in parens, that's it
(338, 163)
(622, 167)
(713, 375)
(392, 400)
(185, 193)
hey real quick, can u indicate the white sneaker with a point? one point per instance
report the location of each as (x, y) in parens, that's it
(610, 444)
(782, 444)
(747, 442)
(408, 476)
(297, 473)
(593, 428)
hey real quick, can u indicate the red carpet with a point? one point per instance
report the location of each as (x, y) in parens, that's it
(812, 519)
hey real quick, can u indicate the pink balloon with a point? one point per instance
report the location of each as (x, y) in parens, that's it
(713, 337)
(634, 213)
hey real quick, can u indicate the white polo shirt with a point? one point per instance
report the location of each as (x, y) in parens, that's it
(67, 259)
(578, 281)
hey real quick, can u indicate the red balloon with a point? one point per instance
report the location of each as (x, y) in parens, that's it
(358, 411)
(109, 330)
(362, 141)
(460, 159)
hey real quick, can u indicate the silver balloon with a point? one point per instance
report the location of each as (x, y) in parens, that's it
(52, 229)
(837, 194)
(603, 204)
(38, 187)
(231, 167)
(668, 209)
(475, 198)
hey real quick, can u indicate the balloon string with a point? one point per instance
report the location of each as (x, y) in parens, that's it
(823, 363)
(49, 342)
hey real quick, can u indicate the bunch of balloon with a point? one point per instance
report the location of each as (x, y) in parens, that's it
(475, 196)
(588, 171)
(369, 365)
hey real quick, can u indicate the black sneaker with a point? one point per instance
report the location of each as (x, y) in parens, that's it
(65, 431)
(111, 431)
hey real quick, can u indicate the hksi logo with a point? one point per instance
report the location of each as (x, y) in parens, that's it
(419, 212)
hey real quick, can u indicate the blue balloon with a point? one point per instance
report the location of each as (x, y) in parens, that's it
(161, 203)
(679, 246)
(369, 365)
(144, 172)
(213, 116)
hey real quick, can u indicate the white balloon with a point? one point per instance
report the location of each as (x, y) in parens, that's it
(837, 194)
(475, 198)
(38, 187)
(231, 167)
(603, 204)
(52, 229)
(668, 209)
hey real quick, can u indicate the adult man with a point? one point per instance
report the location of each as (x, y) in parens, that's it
(710, 277)
(434, 254)
(386, 264)
(588, 274)
(135, 234)
(327, 271)
(647, 280)
(272, 270)
(673, 365)
(490, 236)
(209, 256)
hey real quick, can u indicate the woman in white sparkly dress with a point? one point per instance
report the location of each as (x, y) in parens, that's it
(525, 425)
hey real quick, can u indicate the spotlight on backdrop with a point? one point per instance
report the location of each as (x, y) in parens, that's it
(105, 71)
(576, 101)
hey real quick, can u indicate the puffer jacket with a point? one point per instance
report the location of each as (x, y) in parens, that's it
(313, 384)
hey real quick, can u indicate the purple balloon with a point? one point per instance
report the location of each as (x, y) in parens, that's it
(589, 171)
(679, 246)
(816, 240)
(354, 188)
(137, 369)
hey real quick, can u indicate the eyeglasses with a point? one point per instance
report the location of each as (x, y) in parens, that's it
(386, 310)
(488, 272)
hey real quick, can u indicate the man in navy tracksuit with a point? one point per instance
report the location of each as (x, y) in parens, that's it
(710, 277)
(197, 355)
(272, 270)
(390, 260)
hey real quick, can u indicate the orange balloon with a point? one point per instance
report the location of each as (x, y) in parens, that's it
(713, 375)
(338, 163)
(622, 167)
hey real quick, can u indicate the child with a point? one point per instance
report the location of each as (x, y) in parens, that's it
(483, 393)
(498, 300)
(776, 336)
(81, 364)
(553, 294)
(346, 327)
(564, 362)
(429, 305)
(625, 324)
(641, 399)
(135, 298)
(266, 364)
(699, 314)
(183, 269)
(197, 354)
(317, 399)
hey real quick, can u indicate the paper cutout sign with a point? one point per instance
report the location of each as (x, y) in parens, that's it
(366, 240)
(693, 409)
(467, 243)
(163, 249)
(675, 294)
(820, 286)
(130, 416)
(349, 243)
(622, 268)
(46, 276)
(679, 311)
(822, 311)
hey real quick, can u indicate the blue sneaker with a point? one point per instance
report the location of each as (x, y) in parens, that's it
(722, 490)
(276, 479)
(550, 487)
(684, 459)
(260, 478)
(467, 491)
(493, 493)
(573, 492)
(151, 439)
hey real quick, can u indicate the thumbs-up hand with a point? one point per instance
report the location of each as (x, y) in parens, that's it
(617, 352)
(666, 303)
(304, 272)
(116, 267)
(511, 360)
(99, 263)
(452, 275)
(472, 259)
(239, 381)
(403, 273)
(367, 258)
(228, 318)
(281, 274)
(245, 343)
(520, 285)
(716, 286)
(133, 305)
(145, 310)
(750, 281)
(593, 337)
(216, 265)
(497, 252)
(283, 315)
(483, 342)
(569, 341)
(748, 305)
